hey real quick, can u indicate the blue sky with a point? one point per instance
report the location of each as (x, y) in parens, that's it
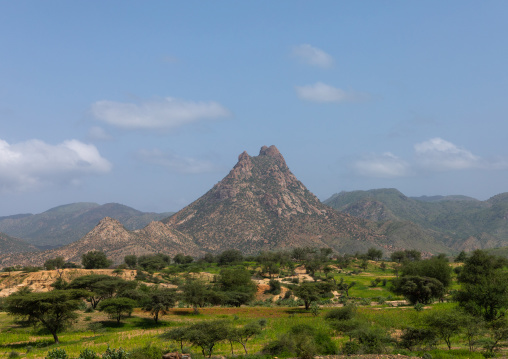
(149, 104)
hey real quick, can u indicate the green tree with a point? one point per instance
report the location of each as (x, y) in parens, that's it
(374, 254)
(195, 293)
(237, 285)
(229, 256)
(436, 267)
(418, 289)
(207, 334)
(445, 324)
(101, 286)
(95, 260)
(159, 301)
(54, 263)
(308, 292)
(345, 287)
(117, 308)
(484, 286)
(53, 310)
(154, 262)
(131, 261)
(182, 259)
(243, 334)
(178, 334)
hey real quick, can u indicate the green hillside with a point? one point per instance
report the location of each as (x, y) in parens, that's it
(459, 222)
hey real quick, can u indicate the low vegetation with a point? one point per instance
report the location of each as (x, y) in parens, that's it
(299, 303)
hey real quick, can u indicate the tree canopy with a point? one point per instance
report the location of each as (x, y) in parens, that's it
(53, 310)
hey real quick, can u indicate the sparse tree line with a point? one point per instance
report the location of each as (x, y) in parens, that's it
(478, 320)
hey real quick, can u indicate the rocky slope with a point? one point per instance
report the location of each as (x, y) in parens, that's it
(261, 205)
(10, 244)
(68, 223)
(111, 237)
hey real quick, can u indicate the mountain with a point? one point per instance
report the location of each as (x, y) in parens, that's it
(459, 222)
(68, 223)
(111, 237)
(10, 244)
(261, 205)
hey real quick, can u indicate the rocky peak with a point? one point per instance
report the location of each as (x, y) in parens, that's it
(273, 152)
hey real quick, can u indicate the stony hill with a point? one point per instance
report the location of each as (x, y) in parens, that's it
(68, 223)
(10, 244)
(111, 237)
(261, 205)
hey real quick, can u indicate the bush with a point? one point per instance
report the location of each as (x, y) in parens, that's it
(350, 348)
(345, 313)
(88, 354)
(57, 353)
(147, 352)
(13, 355)
(114, 353)
(274, 287)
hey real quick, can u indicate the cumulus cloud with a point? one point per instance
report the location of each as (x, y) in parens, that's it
(167, 113)
(385, 165)
(312, 56)
(176, 163)
(433, 155)
(320, 92)
(438, 154)
(31, 164)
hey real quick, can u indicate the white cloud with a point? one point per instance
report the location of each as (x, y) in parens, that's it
(31, 164)
(433, 155)
(312, 56)
(98, 133)
(385, 165)
(176, 163)
(320, 92)
(167, 113)
(440, 155)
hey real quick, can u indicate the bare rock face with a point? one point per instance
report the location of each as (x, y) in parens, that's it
(261, 205)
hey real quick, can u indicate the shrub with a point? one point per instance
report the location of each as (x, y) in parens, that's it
(345, 313)
(13, 355)
(350, 348)
(88, 354)
(114, 353)
(147, 352)
(57, 353)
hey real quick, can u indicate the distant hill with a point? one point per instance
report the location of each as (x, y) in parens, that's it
(459, 222)
(112, 238)
(10, 244)
(68, 223)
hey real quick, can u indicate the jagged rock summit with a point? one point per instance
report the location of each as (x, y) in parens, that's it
(261, 205)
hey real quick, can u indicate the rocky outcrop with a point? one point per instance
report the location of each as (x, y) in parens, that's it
(261, 205)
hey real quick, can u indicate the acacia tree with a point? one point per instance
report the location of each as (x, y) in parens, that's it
(100, 286)
(53, 310)
(206, 334)
(308, 292)
(159, 301)
(117, 308)
(242, 335)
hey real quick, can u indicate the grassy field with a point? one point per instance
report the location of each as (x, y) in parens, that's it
(371, 294)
